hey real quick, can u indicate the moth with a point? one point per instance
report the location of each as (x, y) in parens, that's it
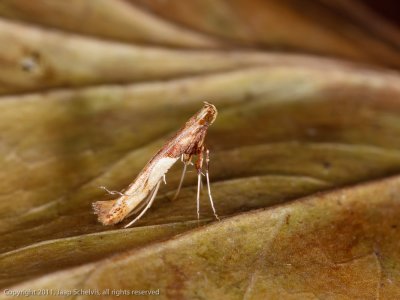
(140, 194)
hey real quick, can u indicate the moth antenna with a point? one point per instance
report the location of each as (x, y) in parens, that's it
(150, 202)
(178, 190)
(201, 182)
(198, 195)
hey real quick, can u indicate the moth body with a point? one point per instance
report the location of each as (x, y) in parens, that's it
(187, 142)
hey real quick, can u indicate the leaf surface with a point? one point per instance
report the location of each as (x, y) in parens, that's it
(305, 153)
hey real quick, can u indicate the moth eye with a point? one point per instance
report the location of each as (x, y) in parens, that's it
(202, 122)
(208, 118)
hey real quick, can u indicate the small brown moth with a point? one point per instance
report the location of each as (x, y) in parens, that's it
(140, 194)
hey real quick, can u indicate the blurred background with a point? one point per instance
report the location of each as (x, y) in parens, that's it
(308, 94)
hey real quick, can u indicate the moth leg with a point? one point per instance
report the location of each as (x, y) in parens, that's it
(150, 202)
(186, 159)
(178, 190)
(201, 182)
(112, 192)
(208, 184)
(199, 166)
(140, 206)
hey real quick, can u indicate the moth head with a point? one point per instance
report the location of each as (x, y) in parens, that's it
(207, 114)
